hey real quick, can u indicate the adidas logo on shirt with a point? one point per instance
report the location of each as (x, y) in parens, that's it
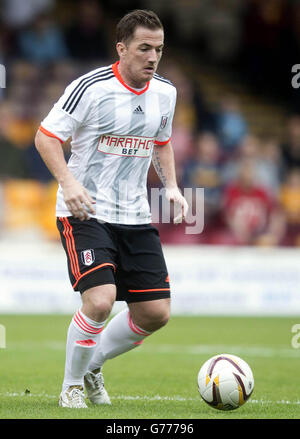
(138, 110)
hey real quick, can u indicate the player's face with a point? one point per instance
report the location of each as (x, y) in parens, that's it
(140, 57)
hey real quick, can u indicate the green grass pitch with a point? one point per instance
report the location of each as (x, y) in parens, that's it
(158, 379)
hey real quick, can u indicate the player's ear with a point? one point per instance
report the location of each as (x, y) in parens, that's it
(121, 49)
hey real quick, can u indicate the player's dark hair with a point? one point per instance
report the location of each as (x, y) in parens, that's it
(139, 17)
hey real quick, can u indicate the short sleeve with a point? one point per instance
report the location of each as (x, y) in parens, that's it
(165, 130)
(68, 113)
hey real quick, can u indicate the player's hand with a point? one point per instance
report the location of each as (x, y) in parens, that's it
(77, 199)
(180, 204)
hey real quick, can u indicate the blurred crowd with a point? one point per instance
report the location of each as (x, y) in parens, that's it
(260, 39)
(251, 183)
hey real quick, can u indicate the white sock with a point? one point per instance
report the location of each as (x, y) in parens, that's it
(82, 340)
(119, 336)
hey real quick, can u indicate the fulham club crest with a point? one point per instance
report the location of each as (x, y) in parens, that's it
(88, 257)
(163, 122)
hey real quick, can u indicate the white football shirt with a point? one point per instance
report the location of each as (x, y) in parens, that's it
(113, 129)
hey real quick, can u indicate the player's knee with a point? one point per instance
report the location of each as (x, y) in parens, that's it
(155, 319)
(98, 302)
(158, 321)
(102, 307)
(162, 316)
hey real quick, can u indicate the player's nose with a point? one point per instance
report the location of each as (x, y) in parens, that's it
(153, 56)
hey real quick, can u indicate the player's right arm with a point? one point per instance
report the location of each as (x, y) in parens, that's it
(76, 197)
(72, 110)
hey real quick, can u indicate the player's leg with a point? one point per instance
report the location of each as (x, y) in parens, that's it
(84, 332)
(91, 273)
(82, 340)
(150, 315)
(128, 329)
(98, 301)
(149, 308)
(124, 332)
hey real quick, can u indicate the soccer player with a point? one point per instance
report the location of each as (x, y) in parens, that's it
(120, 118)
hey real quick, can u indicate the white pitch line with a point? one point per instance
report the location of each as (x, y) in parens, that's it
(147, 398)
(251, 351)
(192, 349)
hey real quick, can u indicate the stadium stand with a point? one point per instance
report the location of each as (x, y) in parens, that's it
(226, 124)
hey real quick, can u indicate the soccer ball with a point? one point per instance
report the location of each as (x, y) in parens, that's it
(225, 382)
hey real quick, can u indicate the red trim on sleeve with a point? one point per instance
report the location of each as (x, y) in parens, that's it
(156, 142)
(43, 130)
(119, 77)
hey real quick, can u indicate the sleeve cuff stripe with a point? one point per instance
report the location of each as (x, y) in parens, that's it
(156, 142)
(49, 134)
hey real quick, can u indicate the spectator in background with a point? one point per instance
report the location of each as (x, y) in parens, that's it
(231, 126)
(12, 163)
(87, 36)
(269, 169)
(248, 148)
(20, 13)
(250, 214)
(15, 128)
(190, 116)
(24, 88)
(7, 42)
(35, 165)
(203, 171)
(266, 159)
(221, 27)
(42, 43)
(291, 147)
(190, 98)
(290, 202)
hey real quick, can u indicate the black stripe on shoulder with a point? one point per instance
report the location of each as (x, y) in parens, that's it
(68, 104)
(86, 87)
(161, 78)
(81, 84)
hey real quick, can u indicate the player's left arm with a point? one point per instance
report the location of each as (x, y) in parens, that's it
(164, 165)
